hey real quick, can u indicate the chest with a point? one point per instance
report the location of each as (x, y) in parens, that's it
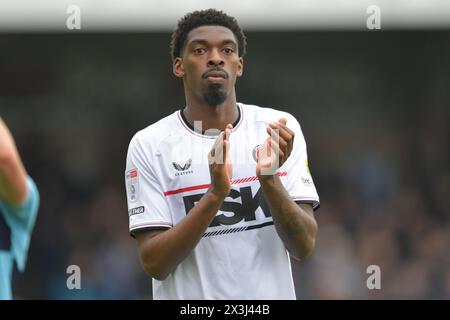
(185, 178)
(182, 161)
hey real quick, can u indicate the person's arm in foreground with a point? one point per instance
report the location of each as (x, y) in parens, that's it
(161, 251)
(13, 187)
(294, 222)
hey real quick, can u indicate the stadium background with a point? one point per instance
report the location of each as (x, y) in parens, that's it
(374, 108)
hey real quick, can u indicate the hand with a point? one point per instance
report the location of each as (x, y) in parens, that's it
(220, 167)
(276, 149)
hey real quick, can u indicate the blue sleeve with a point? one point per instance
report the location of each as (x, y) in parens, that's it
(21, 221)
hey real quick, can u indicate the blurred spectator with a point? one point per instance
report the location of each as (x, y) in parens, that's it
(376, 120)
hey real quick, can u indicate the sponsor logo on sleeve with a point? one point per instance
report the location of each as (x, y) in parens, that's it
(307, 181)
(132, 180)
(137, 210)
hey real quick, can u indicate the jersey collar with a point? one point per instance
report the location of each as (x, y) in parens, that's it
(202, 134)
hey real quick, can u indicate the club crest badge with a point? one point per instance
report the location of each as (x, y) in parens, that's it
(255, 152)
(132, 181)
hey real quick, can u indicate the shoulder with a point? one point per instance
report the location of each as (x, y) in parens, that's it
(150, 137)
(268, 114)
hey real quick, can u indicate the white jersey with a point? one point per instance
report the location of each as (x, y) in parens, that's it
(240, 255)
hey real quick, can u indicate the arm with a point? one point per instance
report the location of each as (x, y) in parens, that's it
(13, 188)
(295, 223)
(161, 251)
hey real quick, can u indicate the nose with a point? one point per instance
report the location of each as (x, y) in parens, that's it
(215, 59)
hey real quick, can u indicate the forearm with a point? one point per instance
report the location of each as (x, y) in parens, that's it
(166, 250)
(296, 226)
(13, 187)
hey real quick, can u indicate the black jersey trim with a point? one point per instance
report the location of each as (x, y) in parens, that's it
(191, 129)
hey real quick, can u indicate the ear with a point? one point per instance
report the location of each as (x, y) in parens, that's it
(240, 70)
(178, 68)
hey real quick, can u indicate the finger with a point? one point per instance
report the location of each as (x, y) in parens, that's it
(211, 156)
(285, 132)
(212, 153)
(226, 148)
(227, 133)
(282, 121)
(281, 141)
(218, 140)
(218, 149)
(265, 154)
(276, 148)
(290, 131)
(216, 143)
(280, 153)
(274, 156)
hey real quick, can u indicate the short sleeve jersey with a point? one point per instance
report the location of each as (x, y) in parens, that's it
(16, 227)
(240, 255)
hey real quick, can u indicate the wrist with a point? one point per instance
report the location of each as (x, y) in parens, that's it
(268, 179)
(216, 195)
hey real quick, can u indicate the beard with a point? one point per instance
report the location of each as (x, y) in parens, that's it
(214, 96)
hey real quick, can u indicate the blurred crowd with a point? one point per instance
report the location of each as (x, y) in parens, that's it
(386, 204)
(378, 140)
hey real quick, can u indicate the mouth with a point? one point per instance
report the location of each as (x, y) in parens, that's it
(215, 75)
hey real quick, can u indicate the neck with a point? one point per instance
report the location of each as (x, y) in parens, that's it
(211, 117)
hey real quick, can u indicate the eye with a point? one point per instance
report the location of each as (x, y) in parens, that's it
(228, 50)
(199, 50)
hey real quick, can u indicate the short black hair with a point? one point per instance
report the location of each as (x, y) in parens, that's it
(210, 17)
